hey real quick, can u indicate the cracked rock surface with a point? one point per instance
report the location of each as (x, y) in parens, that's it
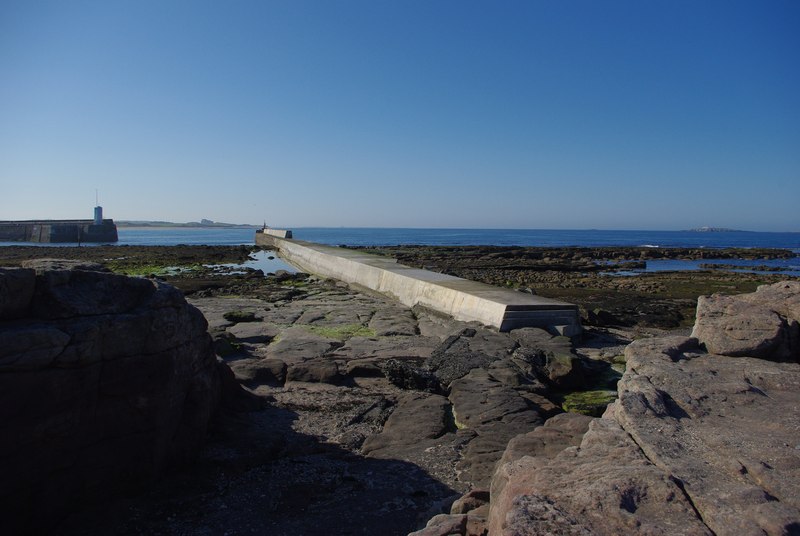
(361, 416)
(697, 443)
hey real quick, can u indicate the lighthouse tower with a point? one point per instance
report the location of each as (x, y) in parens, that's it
(98, 215)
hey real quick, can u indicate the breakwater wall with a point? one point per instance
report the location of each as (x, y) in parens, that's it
(52, 231)
(462, 299)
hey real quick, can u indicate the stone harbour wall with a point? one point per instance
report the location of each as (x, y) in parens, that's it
(54, 231)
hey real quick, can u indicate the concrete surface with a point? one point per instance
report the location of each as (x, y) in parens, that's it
(460, 298)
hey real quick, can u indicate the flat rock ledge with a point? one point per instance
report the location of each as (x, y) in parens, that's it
(105, 380)
(697, 443)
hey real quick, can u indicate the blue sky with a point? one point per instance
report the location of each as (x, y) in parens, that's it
(535, 114)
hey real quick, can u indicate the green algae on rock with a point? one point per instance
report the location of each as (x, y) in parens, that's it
(592, 403)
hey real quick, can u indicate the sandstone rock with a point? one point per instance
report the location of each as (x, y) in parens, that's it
(232, 395)
(601, 317)
(16, 291)
(763, 324)
(701, 418)
(389, 347)
(105, 381)
(496, 413)
(253, 372)
(697, 443)
(443, 525)
(534, 337)
(564, 370)
(254, 332)
(297, 344)
(364, 368)
(606, 486)
(315, 371)
(71, 293)
(416, 419)
(41, 266)
(472, 500)
(30, 347)
(538, 447)
(393, 321)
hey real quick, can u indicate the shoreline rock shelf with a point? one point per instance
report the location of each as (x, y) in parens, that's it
(378, 416)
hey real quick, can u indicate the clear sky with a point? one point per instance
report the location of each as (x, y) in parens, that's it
(567, 114)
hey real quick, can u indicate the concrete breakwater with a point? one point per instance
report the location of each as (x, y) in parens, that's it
(53, 231)
(460, 298)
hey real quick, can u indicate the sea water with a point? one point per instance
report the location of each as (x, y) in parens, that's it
(361, 236)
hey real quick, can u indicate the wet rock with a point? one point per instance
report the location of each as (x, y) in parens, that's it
(471, 349)
(559, 368)
(592, 403)
(601, 317)
(406, 376)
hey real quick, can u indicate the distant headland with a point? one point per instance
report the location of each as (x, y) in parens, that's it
(715, 230)
(204, 223)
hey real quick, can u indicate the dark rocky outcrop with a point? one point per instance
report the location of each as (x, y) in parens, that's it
(697, 443)
(105, 380)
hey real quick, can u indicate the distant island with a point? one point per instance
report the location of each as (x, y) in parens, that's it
(202, 224)
(714, 230)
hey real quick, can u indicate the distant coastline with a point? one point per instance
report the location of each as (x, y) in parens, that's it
(202, 224)
(716, 230)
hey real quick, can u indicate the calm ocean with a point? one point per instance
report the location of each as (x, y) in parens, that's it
(461, 237)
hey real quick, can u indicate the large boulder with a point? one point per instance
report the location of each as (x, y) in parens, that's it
(763, 324)
(697, 443)
(105, 380)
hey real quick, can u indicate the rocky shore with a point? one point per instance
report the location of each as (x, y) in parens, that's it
(586, 276)
(345, 413)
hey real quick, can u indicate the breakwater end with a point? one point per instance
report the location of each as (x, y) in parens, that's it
(462, 299)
